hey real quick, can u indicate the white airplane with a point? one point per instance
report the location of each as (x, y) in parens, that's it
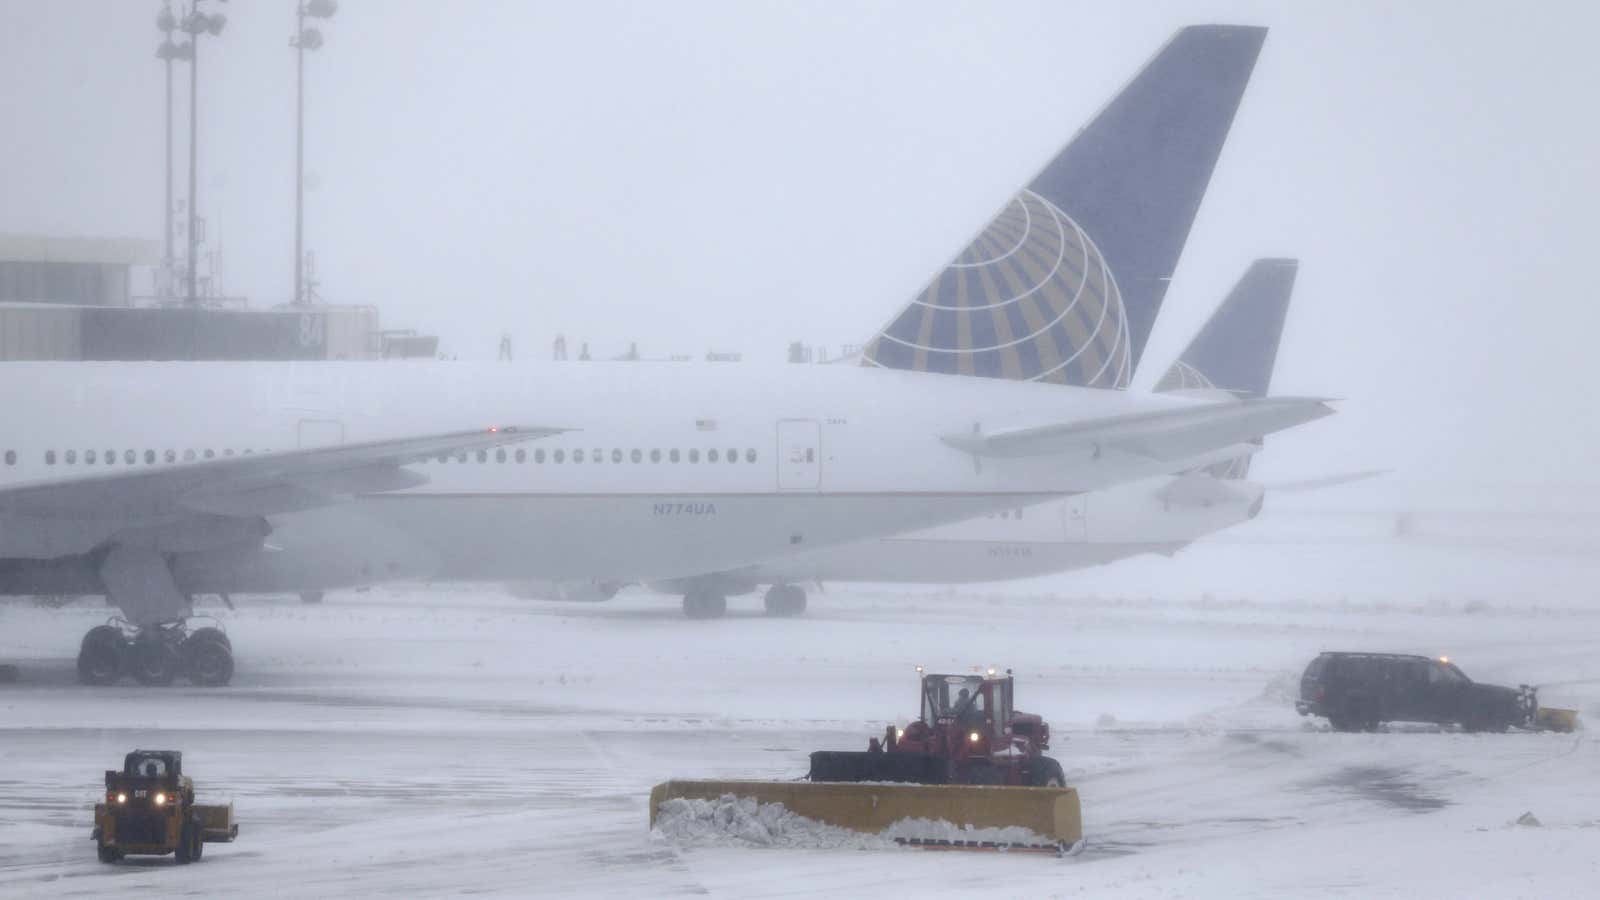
(1232, 356)
(153, 482)
(1064, 284)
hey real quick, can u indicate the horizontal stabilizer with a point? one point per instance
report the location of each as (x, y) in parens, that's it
(1171, 434)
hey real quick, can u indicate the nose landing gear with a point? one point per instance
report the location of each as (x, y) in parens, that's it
(156, 654)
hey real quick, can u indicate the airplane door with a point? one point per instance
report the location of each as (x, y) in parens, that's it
(799, 455)
(1075, 517)
(321, 433)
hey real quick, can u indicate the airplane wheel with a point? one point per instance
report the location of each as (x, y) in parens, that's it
(785, 600)
(704, 605)
(154, 661)
(100, 658)
(208, 657)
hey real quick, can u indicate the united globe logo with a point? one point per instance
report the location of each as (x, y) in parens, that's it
(1030, 299)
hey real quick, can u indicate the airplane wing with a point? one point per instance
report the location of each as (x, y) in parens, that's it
(86, 509)
(1200, 489)
(1171, 434)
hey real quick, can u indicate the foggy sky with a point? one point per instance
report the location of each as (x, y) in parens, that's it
(739, 175)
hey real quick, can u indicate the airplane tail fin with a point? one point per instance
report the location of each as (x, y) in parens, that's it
(1064, 284)
(1237, 349)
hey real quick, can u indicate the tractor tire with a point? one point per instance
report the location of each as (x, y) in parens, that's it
(154, 661)
(1046, 772)
(185, 852)
(101, 657)
(106, 854)
(207, 657)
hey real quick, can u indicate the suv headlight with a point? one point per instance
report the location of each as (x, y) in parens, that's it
(161, 799)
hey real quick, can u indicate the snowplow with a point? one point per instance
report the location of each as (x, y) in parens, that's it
(149, 810)
(969, 773)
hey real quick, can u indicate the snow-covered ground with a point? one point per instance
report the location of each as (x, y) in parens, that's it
(447, 740)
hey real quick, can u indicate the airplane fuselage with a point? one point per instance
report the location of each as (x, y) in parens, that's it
(666, 470)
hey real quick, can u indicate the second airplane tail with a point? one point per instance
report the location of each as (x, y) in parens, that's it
(1237, 349)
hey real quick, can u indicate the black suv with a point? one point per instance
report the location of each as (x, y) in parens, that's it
(1357, 691)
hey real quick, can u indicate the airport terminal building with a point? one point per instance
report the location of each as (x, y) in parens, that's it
(76, 298)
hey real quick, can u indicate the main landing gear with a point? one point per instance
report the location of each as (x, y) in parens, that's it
(782, 601)
(156, 654)
(701, 603)
(786, 600)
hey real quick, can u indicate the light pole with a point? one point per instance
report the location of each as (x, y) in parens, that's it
(168, 51)
(195, 24)
(305, 38)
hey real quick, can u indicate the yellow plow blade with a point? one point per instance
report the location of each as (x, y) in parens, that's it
(1051, 813)
(1548, 719)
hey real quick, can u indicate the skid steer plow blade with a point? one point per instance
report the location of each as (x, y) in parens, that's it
(1052, 814)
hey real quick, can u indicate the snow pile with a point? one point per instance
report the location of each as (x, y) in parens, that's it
(743, 821)
(940, 830)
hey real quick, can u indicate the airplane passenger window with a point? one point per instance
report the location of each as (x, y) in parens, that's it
(72, 457)
(522, 456)
(711, 455)
(11, 457)
(230, 453)
(673, 456)
(616, 455)
(560, 454)
(750, 455)
(210, 454)
(90, 457)
(444, 457)
(483, 456)
(599, 455)
(188, 456)
(655, 456)
(500, 455)
(733, 455)
(538, 455)
(638, 455)
(149, 457)
(577, 456)
(111, 457)
(49, 457)
(694, 456)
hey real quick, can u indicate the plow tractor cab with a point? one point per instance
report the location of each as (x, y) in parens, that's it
(968, 733)
(149, 809)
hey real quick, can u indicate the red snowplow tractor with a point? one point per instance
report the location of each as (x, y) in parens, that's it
(968, 733)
